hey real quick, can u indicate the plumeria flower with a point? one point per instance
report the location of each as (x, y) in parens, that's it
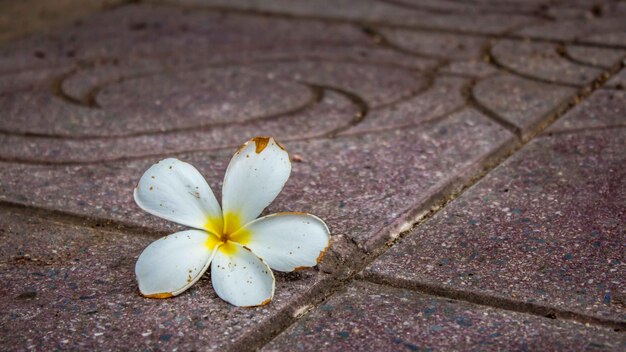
(240, 249)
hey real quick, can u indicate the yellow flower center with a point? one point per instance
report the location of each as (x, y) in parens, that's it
(225, 233)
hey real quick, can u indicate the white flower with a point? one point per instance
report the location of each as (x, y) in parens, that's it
(239, 248)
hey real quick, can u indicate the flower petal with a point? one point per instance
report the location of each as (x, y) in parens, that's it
(288, 241)
(256, 174)
(241, 278)
(176, 191)
(170, 265)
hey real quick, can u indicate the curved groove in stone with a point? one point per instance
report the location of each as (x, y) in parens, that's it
(563, 52)
(471, 100)
(89, 100)
(315, 98)
(381, 39)
(319, 91)
(501, 302)
(359, 103)
(537, 12)
(500, 65)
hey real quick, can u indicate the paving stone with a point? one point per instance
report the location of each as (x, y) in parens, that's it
(68, 287)
(603, 108)
(474, 7)
(603, 30)
(126, 108)
(382, 106)
(140, 30)
(442, 97)
(337, 109)
(213, 120)
(618, 81)
(439, 45)
(541, 60)
(523, 102)
(595, 56)
(365, 186)
(18, 18)
(371, 317)
(474, 68)
(111, 86)
(375, 84)
(544, 228)
(374, 11)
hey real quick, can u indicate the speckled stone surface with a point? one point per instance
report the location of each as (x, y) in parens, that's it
(371, 317)
(604, 108)
(542, 61)
(606, 28)
(375, 11)
(352, 182)
(618, 81)
(523, 102)
(388, 108)
(599, 57)
(439, 45)
(68, 288)
(545, 227)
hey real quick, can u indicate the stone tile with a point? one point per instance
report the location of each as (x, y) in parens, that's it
(618, 81)
(439, 45)
(134, 31)
(476, 68)
(474, 7)
(523, 102)
(541, 61)
(603, 108)
(371, 11)
(371, 317)
(281, 100)
(601, 30)
(544, 228)
(18, 18)
(595, 56)
(121, 75)
(375, 84)
(442, 97)
(337, 109)
(67, 287)
(366, 186)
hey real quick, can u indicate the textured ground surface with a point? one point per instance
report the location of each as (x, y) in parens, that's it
(468, 157)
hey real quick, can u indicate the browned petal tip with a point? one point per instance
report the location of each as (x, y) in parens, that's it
(321, 255)
(159, 295)
(260, 304)
(298, 268)
(260, 143)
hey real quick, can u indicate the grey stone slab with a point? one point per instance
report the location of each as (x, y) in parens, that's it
(524, 103)
(442, 97)
(337, 109)
(439, 45)
(372, 11)
(146, 30)
(545, 228)
(475, 68)
(602, 30)
(375, 84)
(595, 56)
(73, 288)
(541, 61)
(18, 18)
(618, 81)
(369, 317)
(604, 108)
